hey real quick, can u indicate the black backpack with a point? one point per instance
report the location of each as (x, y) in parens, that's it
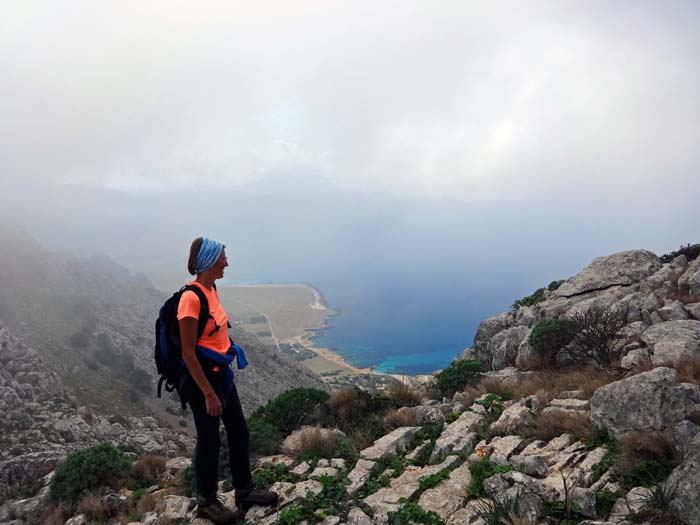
(168, 350)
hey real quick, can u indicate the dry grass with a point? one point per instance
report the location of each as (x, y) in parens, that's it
(689, 370)
(552, 424)
(147, 503)
(94, 508)
(644, 445)
(348, 403)
(57, 515)
(315, 441)
(548, 385)
(148, 469)
(403, 393)
(400, 418)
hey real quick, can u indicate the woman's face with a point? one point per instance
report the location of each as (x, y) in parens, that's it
(219, 265)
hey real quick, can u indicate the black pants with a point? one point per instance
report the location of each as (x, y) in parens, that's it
(208, 442)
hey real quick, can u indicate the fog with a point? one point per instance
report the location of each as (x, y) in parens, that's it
(488, 147)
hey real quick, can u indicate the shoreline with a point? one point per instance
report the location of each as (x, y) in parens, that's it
(308, 332)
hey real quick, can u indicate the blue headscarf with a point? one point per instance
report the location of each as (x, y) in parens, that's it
(209, 253)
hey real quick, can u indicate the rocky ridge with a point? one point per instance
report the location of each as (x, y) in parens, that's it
(484, 451)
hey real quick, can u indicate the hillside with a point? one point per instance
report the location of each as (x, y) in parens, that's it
(580, 405)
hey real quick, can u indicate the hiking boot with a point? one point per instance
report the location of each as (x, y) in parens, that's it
(215, 511)
(246, 498)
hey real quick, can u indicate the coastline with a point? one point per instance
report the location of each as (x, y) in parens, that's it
(327, 360)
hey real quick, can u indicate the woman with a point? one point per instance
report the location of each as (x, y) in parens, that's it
(210, 390)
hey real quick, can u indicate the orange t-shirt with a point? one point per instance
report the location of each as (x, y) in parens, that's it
(189, 307)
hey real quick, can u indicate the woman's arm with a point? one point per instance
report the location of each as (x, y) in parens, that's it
(188, 340)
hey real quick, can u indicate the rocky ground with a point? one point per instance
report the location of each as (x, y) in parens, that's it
(518, 443)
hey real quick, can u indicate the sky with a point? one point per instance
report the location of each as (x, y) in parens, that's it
(527, 137)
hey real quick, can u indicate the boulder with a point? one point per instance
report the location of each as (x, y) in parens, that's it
(531, 465)
(685, 480)
(457, 436)
(487, 329)
(533, 495)
(359, 475)
(516, 417)
(448, 496)
(694, 310)
(629, 504)
(673, 341)
(689, 283)
(673, 311)
(389, 444)
(653, 400)
(502, 349)
(390, 499)
(619, 269)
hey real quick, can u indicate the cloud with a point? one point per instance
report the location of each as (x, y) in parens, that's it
(472, 102)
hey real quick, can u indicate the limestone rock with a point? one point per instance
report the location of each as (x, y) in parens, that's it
(457, 436)
(448, 496)
(621, 269)
(388, 499)
(636, 358)
(389, 444)
(630, 503)
(694, 310)
(515, 418)
(502, 349)
(532, 493)
(486, 330)
(357, 517)
(570, 404)
(359, 475)
(673, 311)
(653, 400)
(536, 466)
(689, 283)
(672, 341)
(685, 480)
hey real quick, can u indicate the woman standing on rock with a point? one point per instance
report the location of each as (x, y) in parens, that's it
(210, 390)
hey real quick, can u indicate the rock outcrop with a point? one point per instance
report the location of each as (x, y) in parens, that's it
(651, 401)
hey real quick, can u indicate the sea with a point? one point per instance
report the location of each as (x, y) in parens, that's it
(399, 325)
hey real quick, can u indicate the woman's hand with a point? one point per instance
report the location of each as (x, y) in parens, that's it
(214, 408)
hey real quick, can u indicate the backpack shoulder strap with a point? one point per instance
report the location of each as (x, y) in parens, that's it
(203, 308)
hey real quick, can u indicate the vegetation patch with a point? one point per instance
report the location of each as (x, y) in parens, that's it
(89, 469)
(460, 374)
(530, 300)
(481, 471)
(691, 251)
(411, 512)
(548, 338)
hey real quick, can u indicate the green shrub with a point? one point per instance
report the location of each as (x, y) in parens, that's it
(554, 285)
(411, 512)
(89, 469)
(530, 300)
(264, 436)
(481, 471)
(428, 482)
(80, 340)
(550, 336)
(497, 511)
(604, 502)
(291, 408)
(691, 251)
(264, 478)
(460, 374)
(492, 404)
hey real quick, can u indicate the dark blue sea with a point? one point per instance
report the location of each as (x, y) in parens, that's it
(404, 324)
